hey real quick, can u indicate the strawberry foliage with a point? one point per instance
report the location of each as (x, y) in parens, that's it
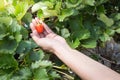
(83, 23)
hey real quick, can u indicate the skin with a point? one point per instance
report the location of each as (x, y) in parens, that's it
(83, 66)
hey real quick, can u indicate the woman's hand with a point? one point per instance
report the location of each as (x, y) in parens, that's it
(85, 67)
(48, 40)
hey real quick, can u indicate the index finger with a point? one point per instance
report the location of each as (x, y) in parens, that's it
(32, 27)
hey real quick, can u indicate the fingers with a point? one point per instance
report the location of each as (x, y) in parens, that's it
(35, 33)
(34, 22)
(42, 35)
(48, 30)
(32, 27)
(51, 35)
(37, 39)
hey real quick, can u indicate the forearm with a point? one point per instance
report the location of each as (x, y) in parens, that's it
(84, 66)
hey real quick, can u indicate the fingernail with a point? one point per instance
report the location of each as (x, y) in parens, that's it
(36, 18)
(31, 34)
(32, 19)
(40, 21)
(35, 31)
(30, 24)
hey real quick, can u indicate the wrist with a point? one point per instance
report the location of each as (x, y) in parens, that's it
(62, 49)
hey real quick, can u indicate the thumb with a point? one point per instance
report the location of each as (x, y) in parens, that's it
(37, 39)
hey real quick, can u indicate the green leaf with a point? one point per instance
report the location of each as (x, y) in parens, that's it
(49, 13)
(6, 20)
(117, 17)
(27, 19)
(2, 5)
(18, 37)
(65, 13)
(77, 29)
(43, 5)
(7, 61)
(26, 73)
(36, 56)
(10, 7)
(25, 46)
(73, 3)
(105, 37)
(65, 33)
(40, 74)
(40, 14)
(14, 27)
(82, 34)
(40, 63)
(3, 29)
(38, 6)
(118, 30)
(45, 9)
(109, 22)
(89, 43)
(100, 9)
(24, 33)
(85, 34)
(54, 75)
(89, 2)
(2, 36)
(74, 44)
(20, 10)
(98, 2)
(8, 46)
(58, 6)
(110, 32)
(5, 76)
(22, 74)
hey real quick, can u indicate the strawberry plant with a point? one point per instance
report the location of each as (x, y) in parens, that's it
(83, 23)
(20, 59)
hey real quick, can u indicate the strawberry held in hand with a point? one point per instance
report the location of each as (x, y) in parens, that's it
(39, 27)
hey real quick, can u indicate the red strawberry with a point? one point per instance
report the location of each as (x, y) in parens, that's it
(39, 28)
